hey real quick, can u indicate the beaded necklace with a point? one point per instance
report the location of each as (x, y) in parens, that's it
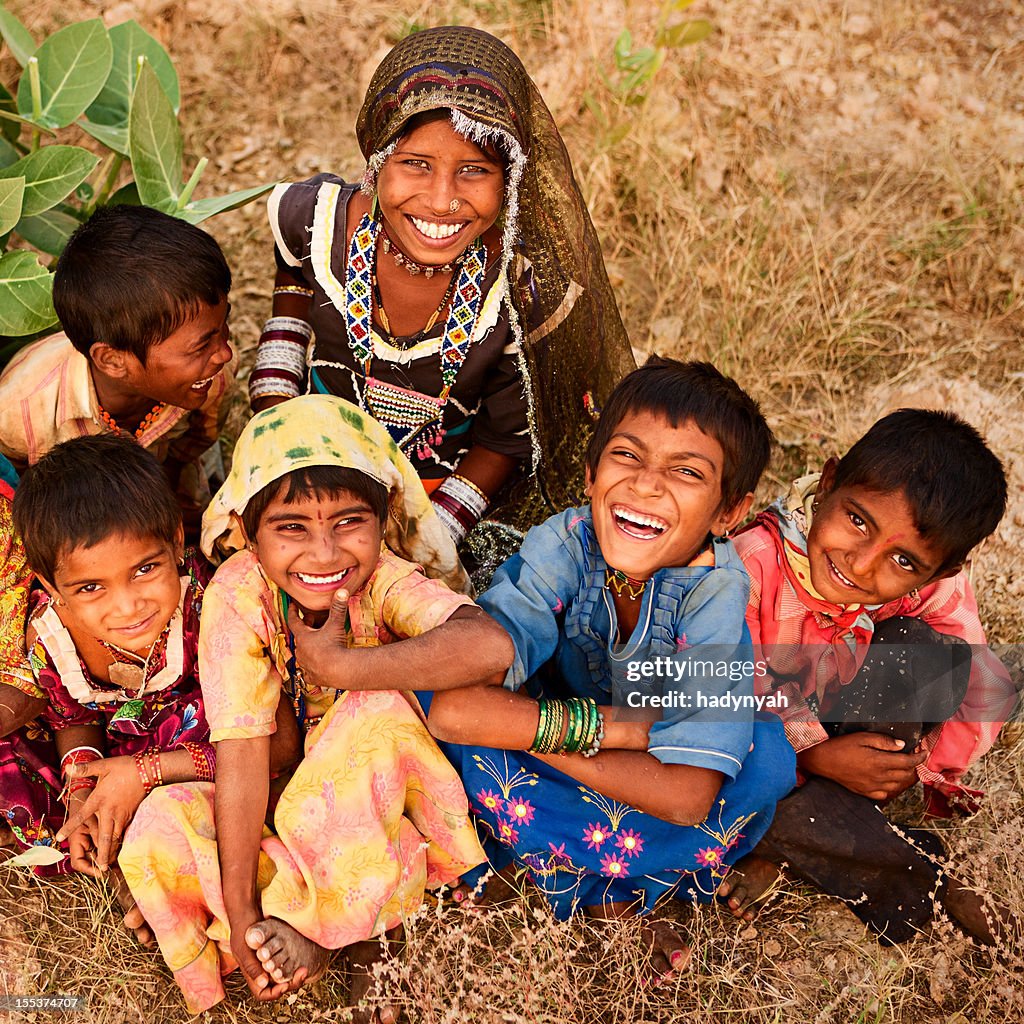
(413, 419)
(147, 420)
(411, 267)
(625, 586)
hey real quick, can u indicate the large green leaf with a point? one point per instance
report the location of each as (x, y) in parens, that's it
(73, 65)
(50, 174)
(154, 143)
(12, 191)
(131, 41)
(17, 37)
(25, 303)
(10, 129)
(200, 209)
(49, 232)
(113, 136)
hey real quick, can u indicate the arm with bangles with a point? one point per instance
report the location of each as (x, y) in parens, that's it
(105, 792)
(483, 473)
(280, 369)
(621, 770)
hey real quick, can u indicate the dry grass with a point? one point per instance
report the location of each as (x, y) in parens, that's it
(826, 200)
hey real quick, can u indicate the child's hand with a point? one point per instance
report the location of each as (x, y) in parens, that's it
(321, 652)
(868, 763)
(81, 846)
(107, 811)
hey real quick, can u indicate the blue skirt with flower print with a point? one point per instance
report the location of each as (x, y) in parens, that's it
(582, 849)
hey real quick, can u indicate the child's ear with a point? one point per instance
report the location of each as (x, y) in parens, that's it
(179, 545)
(51, 590)
(111, 362)
(728, 519)
(589, 481)
(828, 478)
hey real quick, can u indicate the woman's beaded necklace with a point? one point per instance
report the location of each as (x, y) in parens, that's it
(411, 267)
(414, 420)
(147, 420)
(462, 313)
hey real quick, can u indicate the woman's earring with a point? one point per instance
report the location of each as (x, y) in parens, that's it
(814, 505)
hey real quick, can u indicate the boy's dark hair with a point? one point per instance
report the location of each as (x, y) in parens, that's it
(694, 392)
(130, 276)
(318, 482)
(954, 483)
(87, 489)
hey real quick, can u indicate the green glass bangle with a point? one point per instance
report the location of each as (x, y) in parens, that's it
(568, 744)
(542, 721)
(591, 730)
(581, 714)
(564, 725)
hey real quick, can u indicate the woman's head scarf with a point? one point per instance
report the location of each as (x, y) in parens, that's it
(565, 353)
(321, 430)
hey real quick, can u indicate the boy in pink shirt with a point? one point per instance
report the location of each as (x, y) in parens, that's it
(875, 652)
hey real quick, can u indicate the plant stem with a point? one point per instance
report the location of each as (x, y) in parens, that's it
(190, 187)
(109, 172)
(37, 98)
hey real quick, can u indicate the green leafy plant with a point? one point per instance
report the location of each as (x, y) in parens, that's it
(636, 69)
(120, 88)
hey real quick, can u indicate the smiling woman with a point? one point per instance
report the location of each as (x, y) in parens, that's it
(458, 295)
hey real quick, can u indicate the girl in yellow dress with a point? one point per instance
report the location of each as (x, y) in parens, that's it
(319, 500)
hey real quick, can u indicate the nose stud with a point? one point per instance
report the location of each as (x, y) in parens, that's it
(454, 205)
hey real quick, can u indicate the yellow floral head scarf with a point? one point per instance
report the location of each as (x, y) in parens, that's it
(321, 430)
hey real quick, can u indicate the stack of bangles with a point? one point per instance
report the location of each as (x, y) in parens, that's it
(151, 775)
(78, 755)
(204, 760)
(147, 764)
(280, 368)
(569, 726)
(460, 505)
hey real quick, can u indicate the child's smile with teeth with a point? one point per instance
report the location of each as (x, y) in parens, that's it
(635, 524)
(656, 494)
(313, 547)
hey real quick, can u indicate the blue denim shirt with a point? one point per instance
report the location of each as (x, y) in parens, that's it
(552, 599)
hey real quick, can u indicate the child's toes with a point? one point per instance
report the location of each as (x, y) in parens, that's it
(255, 936)
(667, 950)
(271, 947)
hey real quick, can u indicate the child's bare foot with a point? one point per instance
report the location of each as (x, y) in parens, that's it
(747, 884)
(667, 951)
(362, 984)
(287, 956)
(133, 918)
(987, 924)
